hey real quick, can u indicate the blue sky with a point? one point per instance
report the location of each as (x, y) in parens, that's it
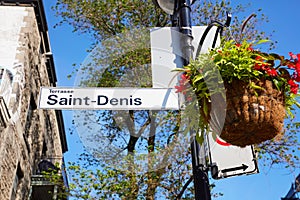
(69, 48)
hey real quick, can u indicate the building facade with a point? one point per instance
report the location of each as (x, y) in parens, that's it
(28, 136)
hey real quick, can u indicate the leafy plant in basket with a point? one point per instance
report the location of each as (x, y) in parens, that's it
(243, 94)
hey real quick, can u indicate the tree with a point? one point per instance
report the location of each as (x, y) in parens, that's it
(145, 153)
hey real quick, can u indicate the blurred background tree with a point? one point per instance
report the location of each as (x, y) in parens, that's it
(137, 156)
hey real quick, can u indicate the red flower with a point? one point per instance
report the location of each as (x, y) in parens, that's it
(184, 80)
(291, 65)
(257, 66)
(265, 66)
(180, 88)
(297, 66)
(293, 86)
(258, 58)
(262, 66)
(250, 48)
(293, 56)
(184, 77)
(296, 77)
(271, 72)
(238, 45)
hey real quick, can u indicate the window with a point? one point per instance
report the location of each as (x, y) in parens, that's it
(19, 175)
(4, 114)
(29, 119)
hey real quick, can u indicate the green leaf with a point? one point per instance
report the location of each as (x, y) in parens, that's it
(262, 41)
(200, 138)
(205, 107)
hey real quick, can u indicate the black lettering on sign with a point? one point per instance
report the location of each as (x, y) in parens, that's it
(63, 101)
(114, 102)
(137, 101)
(52, 99)
(102, 100)
(123, 101)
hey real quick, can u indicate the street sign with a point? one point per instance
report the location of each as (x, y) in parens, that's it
(230, 160)
(109, 98)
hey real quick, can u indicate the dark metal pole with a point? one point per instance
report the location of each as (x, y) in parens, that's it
(185, 27)
(201, 183)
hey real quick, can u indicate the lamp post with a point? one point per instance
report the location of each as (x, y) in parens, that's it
(181, 10)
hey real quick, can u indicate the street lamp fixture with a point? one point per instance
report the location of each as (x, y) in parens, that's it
(169, 5)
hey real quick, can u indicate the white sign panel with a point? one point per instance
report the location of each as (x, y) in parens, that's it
(231, 160)
(109, 98)
(166, 53)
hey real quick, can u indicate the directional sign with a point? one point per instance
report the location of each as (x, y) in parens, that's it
(243, 167)
(230, 160)
(109, 98)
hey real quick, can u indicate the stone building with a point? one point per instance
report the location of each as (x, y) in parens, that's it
(29, 137)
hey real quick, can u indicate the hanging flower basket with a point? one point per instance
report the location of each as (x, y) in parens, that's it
(258, 90)
(252, 117)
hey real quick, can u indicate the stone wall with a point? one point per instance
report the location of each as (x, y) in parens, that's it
(30, 134)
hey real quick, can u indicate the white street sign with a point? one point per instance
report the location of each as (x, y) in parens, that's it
(109, 98)
(231, 160)
(166, 52)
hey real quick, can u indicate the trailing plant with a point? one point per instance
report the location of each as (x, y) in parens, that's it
(237, 64)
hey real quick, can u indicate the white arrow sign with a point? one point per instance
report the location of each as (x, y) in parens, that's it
(231, 160)
(109, 98)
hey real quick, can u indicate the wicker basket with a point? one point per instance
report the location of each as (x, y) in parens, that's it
(252, 116)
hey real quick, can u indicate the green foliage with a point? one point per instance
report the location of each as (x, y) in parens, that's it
(106, 182)
(54, 176)
(119, 60)
(233, 61)
(104, 19)
(243, 62)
